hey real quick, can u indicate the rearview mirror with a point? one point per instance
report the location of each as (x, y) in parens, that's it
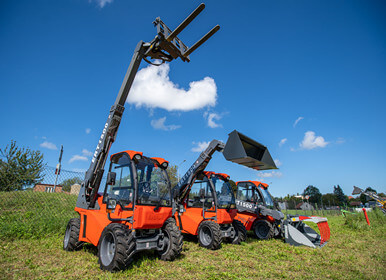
(111, 203)
(111, 178)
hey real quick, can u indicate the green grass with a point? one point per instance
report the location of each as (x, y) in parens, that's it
(28, 214)
(353, 252)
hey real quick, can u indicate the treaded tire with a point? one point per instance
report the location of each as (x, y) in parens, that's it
(116, 247)
(209, 235)
(71, 237)
(173, 239)
(263, 229)
(241, 232)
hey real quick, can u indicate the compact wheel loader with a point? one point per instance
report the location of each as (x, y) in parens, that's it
(205, 200)
(259, 212)
(135, 212)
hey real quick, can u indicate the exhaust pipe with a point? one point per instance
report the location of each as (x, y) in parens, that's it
(243, 150)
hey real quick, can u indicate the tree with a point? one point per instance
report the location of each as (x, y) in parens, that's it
(233, 186)
(329, 199)
(172, 173)
(20, 167)
(66, 184)
(338, 192)
(313, 193)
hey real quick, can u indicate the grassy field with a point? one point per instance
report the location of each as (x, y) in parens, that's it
(355, 251)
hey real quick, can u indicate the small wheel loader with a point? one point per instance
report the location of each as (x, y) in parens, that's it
(135, 212)
(205, 200)
(259, 212)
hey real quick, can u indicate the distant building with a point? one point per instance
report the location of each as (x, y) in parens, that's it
(304, 206)
(283, 205)
(75, 189)
(47, 188)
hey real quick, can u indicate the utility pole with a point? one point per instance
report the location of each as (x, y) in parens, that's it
(58, 167)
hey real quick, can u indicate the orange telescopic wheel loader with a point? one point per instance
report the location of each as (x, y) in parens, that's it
(205, 200)
(135, 211)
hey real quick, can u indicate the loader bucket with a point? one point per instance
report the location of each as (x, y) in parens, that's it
(245, 151)
(297, 233)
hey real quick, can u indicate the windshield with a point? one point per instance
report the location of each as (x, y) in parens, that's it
(224, 193)
(247, 192)
(153, 184)
(122, 190)
(201, 195)
(267, 197)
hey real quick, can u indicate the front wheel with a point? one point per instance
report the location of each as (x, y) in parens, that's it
(116, 247)
(71, 237)
(263, 229)
(209, 235)
(173, 241)
(241, 232)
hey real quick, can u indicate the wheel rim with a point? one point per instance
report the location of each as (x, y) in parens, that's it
(67, 236)
(166, 242)
(261, 230)
(107, 249)
(206, 236)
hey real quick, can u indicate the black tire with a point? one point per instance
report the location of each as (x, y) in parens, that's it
(263, 229)
(241, 232)
(173, 241)
(209, 235)
(71, 237)
(116, 247)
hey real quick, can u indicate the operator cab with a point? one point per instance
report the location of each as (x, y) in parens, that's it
(134, 179)
(213, 187)
(255, 192)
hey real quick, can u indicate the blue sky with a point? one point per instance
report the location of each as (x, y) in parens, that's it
(304, 78)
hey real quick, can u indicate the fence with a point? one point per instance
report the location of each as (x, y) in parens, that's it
(43, 208)
(293, 207)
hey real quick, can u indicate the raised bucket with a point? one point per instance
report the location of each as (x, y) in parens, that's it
(246, 151)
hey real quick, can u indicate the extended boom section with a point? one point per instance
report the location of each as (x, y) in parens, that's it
(166, 46)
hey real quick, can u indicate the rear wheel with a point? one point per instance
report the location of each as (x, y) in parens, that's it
(241, 232)
(209, 235)
(173, 241)
(71, 237)
(263, 229)
(116, 247)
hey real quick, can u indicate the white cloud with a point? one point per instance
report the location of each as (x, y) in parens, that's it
(271, 174)
(88, 130)
(152, 88)
(48, 145)
(160, 124)
(77, 158)
(282, 142)
(311, 141)
(87, 153)
(101, 3)
(200, 146)
(277, 162)
(212, 118)
(298, 120)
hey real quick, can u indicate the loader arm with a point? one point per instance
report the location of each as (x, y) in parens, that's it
(165, 47)
(182, 188)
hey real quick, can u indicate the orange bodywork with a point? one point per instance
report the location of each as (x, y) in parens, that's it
(93, 222)
(247, 219)
(256, 183)
(193, 216)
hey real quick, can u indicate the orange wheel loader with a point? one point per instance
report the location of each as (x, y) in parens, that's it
(135, 212)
